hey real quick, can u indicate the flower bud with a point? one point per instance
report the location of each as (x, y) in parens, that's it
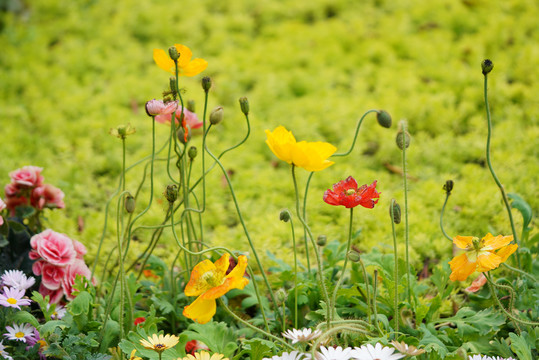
(353, 256)
(322, 240)
(281, 295)
(173, 53)
(192, 152)
(384, 119)
(191, 105)
(172, 85)
(129, 203)
(216, 115)
(284, 216)
(181, 134)
(448, 186)
(206, 83)
(171, 193)
(403, 138)
(486, 66)
(396, 209)
(122, 131)
(154, 107)
(244, 104)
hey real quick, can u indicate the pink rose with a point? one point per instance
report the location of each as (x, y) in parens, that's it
(2, 207)
(47, 196)
(54, 295)
(27, 176)
(190, 118)
(51, 275)
(53, 247)
(80, 249)
(77, 268)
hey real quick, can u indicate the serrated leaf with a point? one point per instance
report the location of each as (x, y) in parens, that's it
(256, 349)
(432, 342)
(521, 205)
(216, 336)
(469, 322)
(25, 317)
(164, 306)
(49, 326)
(520, 347)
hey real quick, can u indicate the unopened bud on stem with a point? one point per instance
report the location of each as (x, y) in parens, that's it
(244, 104)
(448, 186)
(284, 216)
(403, 139)
(129, 203)
(353, 256)
(192, 152)
(395, 211)
(486, 66)
(216, 115)
(173, 53)
(171, 193)
(322, 240)
(384, 119)
(206, 84)
(191, 105)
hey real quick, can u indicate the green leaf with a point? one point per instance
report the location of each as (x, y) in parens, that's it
(521, 347)
(81, 304)
(216, 336)
(256, 349)
(469, 322)
(25, 317)
(432, 342)
(163, 305)
(521, 205)
(49, 326)
(24, 211)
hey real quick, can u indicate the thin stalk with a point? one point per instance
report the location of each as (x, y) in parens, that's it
(355, 136)
(442, 216)
(396, 270)
(529, 276)
(368, 295)
(406, 223)
(305, 217)
(375, 308)
(295, 273)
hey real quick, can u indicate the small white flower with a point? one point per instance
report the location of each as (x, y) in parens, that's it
(59, 311)
(3, 351)
(377, 352)
(19, 332)
(332, 353)
(17, 280)
(294, 355)
(407, 349)
(303, 335)
(13, 298)
(484, 357)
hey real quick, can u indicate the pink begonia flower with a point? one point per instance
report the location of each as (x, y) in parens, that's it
(80, 249)
(13, 202)
(47, 196)
(12, 189)
(157, 107)
(51, 275)
(77, 268)
(54, 295)
(53, 247)
(2, 207)
(27, 176)
(191, 119)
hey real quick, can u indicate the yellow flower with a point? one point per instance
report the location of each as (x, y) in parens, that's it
(159, 343)
(204, 355)
(186, 66)
(312, 156)
(133, 357)
(481, 255)
(209, 281)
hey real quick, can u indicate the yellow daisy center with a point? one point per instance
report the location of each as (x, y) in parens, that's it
(159, 346)
(12, 301)
(19, 335)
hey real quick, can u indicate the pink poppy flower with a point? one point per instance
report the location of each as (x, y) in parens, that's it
(27, 176)
(54, 295)
(51, 275)
(158, 107)
(53, 247)
(2, 207)
(77, 268)
(47, 196)
(191, 119)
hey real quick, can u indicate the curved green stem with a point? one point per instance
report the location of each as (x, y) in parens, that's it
(396, 270)
(442, 216)
(529, 276)
(305, 217)
(406, 223)
(368, 295)
(375, 308)
(355, 136)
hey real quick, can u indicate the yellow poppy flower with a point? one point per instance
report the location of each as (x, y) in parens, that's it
(160, 343)
(204, 355)
(481, 255)
(133, 357)
(209, 281)
(186, 66)
(312, 156)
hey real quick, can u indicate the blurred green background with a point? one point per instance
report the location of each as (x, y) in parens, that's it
(71, 70)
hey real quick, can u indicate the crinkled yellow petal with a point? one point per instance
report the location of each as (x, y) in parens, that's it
(463, 242)
(461, 268)
(195, 67)
(222, 265)
(506, 251)
(197, 283)
(163, 60)
(312, 156)
(488, 262)
(185, 55)
(495, 242)
(281, 142)
(239, 269)
(229, 284)
(201, 310)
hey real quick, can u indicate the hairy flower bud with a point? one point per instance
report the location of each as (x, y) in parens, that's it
(403, 139)
(322, 240)
(172, 85)
(281, 296)
(353, 256)
(395, 211)
(206, 84)
(448, 186)
(181, 134)
(486, 66)
(191, 105)
(384, 119)
(244, 104)
(173, 53)
(171, 193)
(129, 203)
(284, 216)
(216, 115)
(192, 152)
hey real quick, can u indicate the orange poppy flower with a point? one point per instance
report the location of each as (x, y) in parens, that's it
(481, 255)
(186, 66)
(209, 281)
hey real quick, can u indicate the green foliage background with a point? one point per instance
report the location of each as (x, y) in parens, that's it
(71, 70)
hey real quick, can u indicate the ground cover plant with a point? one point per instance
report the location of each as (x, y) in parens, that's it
(190, 217)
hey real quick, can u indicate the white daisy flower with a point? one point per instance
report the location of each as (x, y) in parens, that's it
(59, 311)
(294, 355)
(19, 332)
(17, 279)
(484, 357)
(377, 352)
(332, 353)
(303, 335)
(3, 351)
(13, 298)
(407, 349)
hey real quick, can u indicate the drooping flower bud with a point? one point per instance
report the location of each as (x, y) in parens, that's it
(191, 105)
(353, 256)
(129, 203)
(216, 115)
(384, 119)
(284, 216)
(181, 134)
(173, 53)
(403, 139)
(396, 213)
(448, 186)
(322, 240)
(192, 152)
(244, 104)
(486, 66)
(206, 83)
(171, 193)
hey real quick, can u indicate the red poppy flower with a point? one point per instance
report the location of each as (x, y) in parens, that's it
(139, 320)
(346, 193)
